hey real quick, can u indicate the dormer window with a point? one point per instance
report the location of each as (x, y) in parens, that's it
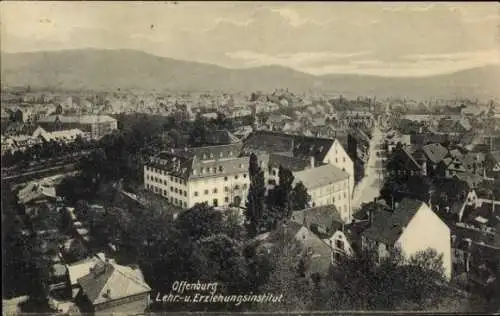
(211, 155)
(220, 154)
(204, 156)
(230, 153)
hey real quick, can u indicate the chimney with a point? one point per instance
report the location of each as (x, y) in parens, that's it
(311, 159)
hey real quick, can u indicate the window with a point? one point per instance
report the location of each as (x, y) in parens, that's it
(274, 172)
(206, 192)
(226, 189)
(245, 186)
(215, 202)
(171, 189)
(225, 178)
(185, 204)
(236, 177)
(176, 201)
(195, 193)
(336, 160)
(164, 192)
(171, 178)
(337, 257)
(245, 175)
(343, 159)
(236, 187)
(215, 190)
(185, 193)
(175, 180)
(220, 168)
(339, 244)
(176, 190)
(165, 182)
(226, 199)
(241, 165)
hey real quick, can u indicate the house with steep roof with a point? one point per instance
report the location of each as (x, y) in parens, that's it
(492, 165)
(327, 185)
(452, 196)
(316, 252)
(402, 163)
(430, 155)
(108, 287)
(412, 227)
(326, 223)
(325, 150)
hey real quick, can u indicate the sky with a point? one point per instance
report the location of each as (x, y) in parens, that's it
(400, 39)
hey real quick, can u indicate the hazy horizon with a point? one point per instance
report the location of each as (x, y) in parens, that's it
(379, 39)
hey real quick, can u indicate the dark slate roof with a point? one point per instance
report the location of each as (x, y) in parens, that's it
(401, 159)
(300, 146)
(453, 188)
(473, 180)
(326, 216)
(289, 162)
(388, 226)
(435, 152)
(426, 138)
(187, 162)
(221, 137)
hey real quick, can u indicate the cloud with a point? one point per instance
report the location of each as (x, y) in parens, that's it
(321, 63)
(313, 37)
(293, 18)
(293, 60)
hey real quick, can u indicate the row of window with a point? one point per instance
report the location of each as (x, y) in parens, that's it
(164, 181)
(164, 173)
(175, 201)
(221, 154)
(226, 189)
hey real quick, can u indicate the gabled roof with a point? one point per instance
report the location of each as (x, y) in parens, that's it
(326, 216)
(387, 227)
(435, 152)
(108, 281)
(320, 176)
(401, 159)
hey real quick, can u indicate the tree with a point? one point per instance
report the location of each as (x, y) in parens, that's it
(256, 196)
(300, 198)
(279, 199)
(200, 221)
(286, 260)
(394, 282)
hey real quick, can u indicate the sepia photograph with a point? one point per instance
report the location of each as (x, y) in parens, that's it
(250, 157)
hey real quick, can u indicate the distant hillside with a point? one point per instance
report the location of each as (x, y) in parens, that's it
(127, 69)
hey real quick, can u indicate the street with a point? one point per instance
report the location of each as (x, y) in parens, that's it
(369, 187)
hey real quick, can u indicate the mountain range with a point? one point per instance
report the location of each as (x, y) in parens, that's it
(93, 69)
